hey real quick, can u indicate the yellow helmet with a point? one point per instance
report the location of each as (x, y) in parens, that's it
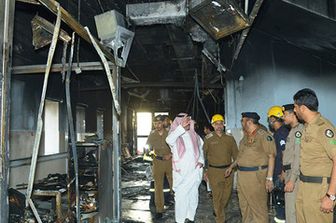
(217, 117)
(275, 111)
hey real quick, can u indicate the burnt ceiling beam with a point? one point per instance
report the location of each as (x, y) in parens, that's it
(179, 85)
(34, 2)
(245, 32)
(174, 34)
(163, 85)
(75, 26)
(7, 10)
(40, 69)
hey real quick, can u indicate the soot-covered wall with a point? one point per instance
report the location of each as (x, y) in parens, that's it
(271, 72)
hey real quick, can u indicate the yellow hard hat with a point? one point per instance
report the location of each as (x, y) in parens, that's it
(217, 117)
(275, 111)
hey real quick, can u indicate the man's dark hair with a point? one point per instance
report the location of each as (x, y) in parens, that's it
(209, 126)
(308, 98)
(277, 119)
(254, 121)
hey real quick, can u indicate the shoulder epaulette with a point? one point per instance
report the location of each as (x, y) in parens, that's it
(261, 131)
(209, 135)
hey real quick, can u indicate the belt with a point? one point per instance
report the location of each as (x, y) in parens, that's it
(310, 179)
(252, 168)
(287, 167)
(220, 167)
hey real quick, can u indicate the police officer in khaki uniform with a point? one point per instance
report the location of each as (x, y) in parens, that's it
(162, 164)
(317, 188)
(220, 150)
(291, 161)
(255, 169)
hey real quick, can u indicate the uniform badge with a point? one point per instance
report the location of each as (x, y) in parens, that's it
(297, 140)
(298, 134)
(329, 133)
(261, 132)
(269, 138)
(209, 135)
(250, 140)
(282, 142)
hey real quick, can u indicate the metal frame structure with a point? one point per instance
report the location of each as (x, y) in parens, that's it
(37, 140)
(7, 10)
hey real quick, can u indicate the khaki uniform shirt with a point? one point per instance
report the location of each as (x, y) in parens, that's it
(254, 149)
(158, 143)
(220, 150)
(291, 155)
(318, 147)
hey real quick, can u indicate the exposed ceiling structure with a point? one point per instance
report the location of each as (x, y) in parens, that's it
(171, 48)
(168, 52)
(300, 27)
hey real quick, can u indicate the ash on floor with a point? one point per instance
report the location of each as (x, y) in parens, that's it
(136, 199)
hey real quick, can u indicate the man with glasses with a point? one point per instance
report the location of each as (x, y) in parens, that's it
(317, 188)
(220, 151)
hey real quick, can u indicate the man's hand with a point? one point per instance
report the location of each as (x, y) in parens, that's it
(282, 176)
(289, 187)
(269, 185)
(205, 176)
(186, 122)
(327, 205)
(167, 157)
(228, 172)
(200, 165)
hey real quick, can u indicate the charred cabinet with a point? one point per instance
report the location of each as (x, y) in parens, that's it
(88, 174)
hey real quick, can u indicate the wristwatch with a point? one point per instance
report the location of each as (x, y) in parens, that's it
(331, 197)
(269, 178)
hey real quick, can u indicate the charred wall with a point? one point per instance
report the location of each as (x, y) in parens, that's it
(273, 71)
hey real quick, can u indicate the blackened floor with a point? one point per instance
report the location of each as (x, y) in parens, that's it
(136, 199)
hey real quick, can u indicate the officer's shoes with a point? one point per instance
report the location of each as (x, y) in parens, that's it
(277, 220)
(158, 215)
(189, 221)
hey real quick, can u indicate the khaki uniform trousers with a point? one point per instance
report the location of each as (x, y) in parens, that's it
(308, 203)
(160, 169)
(221, 191)
(290, 199)
(253, 196)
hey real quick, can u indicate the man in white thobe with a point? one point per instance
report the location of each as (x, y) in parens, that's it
(188, 160)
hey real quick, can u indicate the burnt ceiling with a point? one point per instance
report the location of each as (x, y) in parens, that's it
(299, 27)
(165, 58)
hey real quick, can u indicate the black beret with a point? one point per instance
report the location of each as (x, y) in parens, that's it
(158, 118)
(288, 107)
(252, 115)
